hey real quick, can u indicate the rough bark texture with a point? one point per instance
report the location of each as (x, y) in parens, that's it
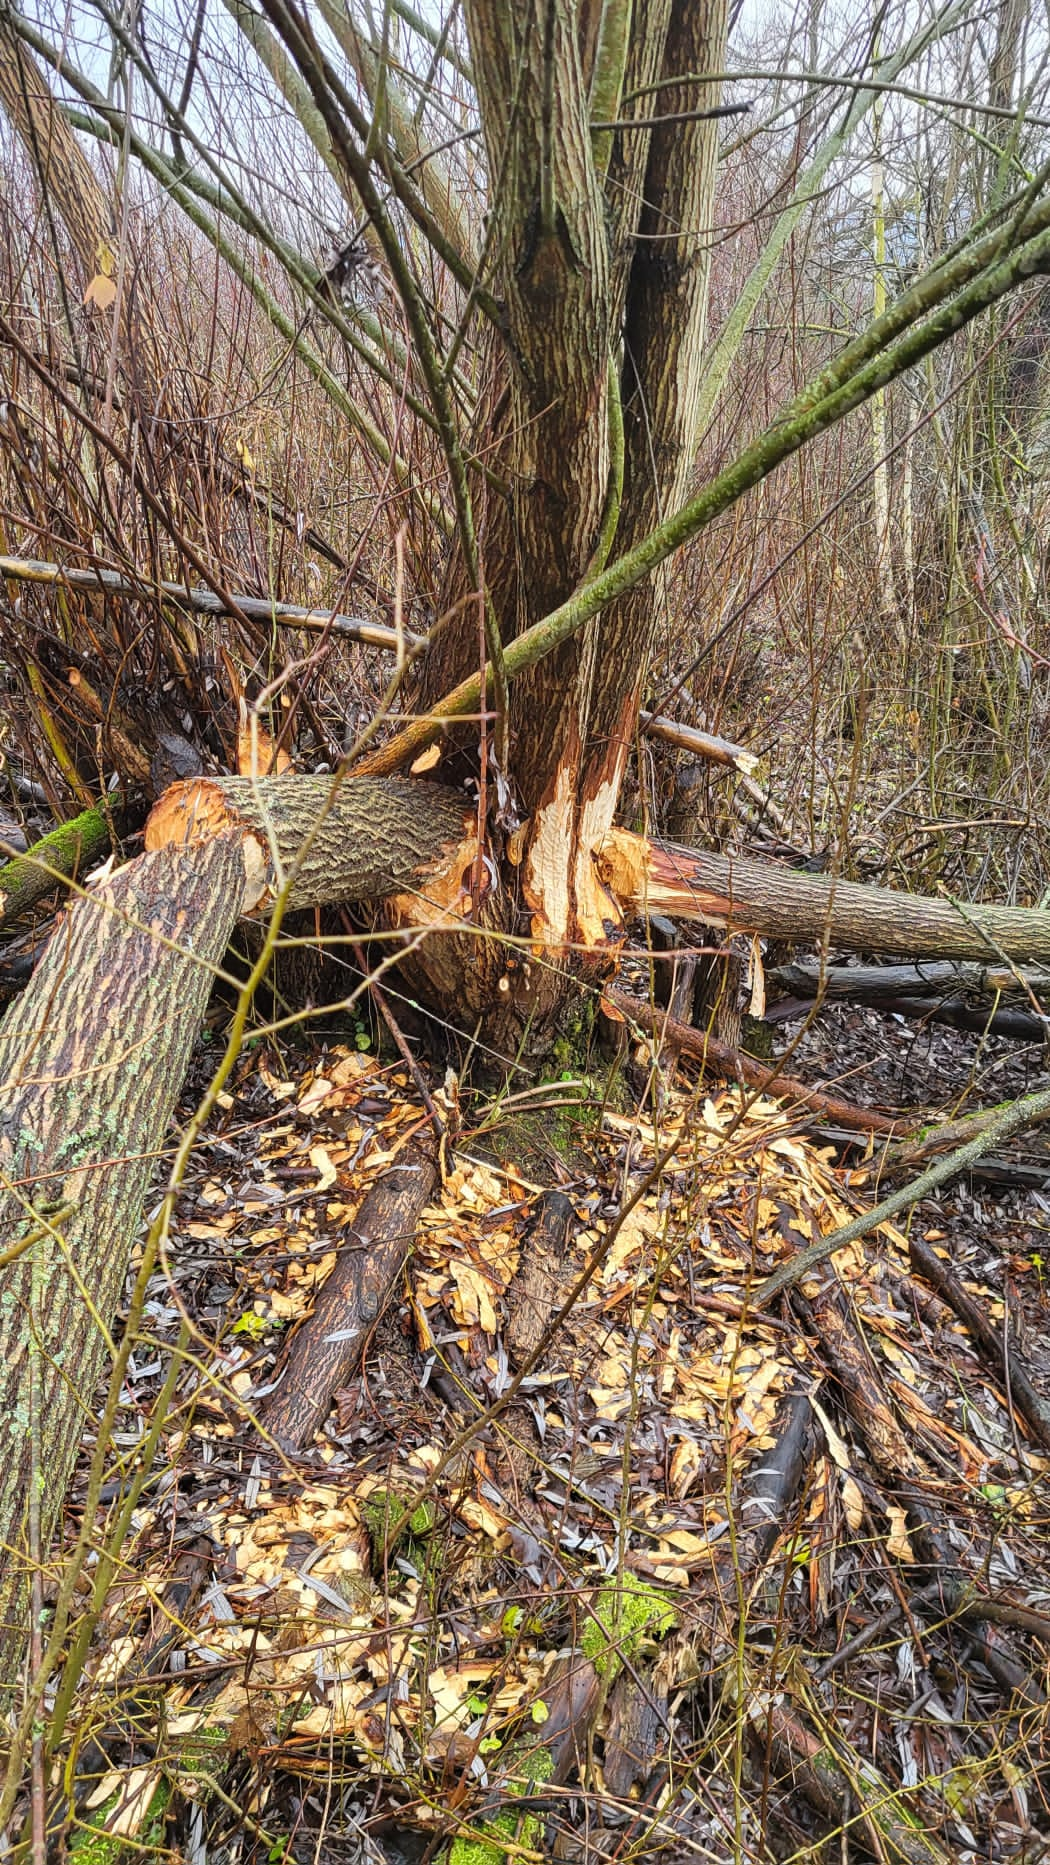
(324, 1352)
(92, 1057)
(756, 896)
(666, 326)
(354, 839)
(63, 171)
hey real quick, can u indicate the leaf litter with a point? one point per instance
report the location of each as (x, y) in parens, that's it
(573, 1579)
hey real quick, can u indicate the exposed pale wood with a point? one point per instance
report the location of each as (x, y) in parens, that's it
(354, 839)
(702, 744)
(92, 1057)
(763, 897)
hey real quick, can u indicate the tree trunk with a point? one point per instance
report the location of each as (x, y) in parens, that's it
(761, 897)
(337, 839)
(92, 1057)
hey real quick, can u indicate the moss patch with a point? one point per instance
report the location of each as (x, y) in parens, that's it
(489, 1846)
(626, 1616)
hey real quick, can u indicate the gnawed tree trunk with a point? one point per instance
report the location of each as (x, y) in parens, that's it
(355, 839)
(762, 897)
(92, 1058)
(602, 247)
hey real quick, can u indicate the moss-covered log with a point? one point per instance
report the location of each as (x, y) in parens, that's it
(67, 852)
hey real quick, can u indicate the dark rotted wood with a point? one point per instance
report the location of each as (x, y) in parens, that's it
(1001, 1351)
(92, 1057)
(720, 1059)
(323, 1354)
(539, 1283)
(867, 983)
(636, 1733)
(1017, 1026)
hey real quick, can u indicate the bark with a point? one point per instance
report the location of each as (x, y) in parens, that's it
(871, 983)
(349, 839)
(325, 1351)
(753, 896)
(665, 331)
(92, 1057)
(63, 171)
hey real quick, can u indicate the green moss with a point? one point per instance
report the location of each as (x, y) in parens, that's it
(92, 1845)
(756, 1037)
(382, 1509)
(625, 1617)
(525, 1830)
(204, 1753)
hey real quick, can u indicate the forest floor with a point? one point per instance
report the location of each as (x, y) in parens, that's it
(676, 1577)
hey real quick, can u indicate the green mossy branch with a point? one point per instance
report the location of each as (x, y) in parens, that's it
(68, 851)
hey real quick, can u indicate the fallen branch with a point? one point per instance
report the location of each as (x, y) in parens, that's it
(893, 1455)
(207, 602)
(721, 1059)
(701, 744)
(870, 983)
(1014, 1118)
(995, 1342)
(323, 1354)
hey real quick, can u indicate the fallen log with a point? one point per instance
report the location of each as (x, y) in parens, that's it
(335, 839)
(870, 983)
(721, 1059)
(324, 1352)
(92, 1058)
(755, 896)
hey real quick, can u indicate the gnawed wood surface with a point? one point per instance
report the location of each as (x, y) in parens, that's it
(781, 902)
